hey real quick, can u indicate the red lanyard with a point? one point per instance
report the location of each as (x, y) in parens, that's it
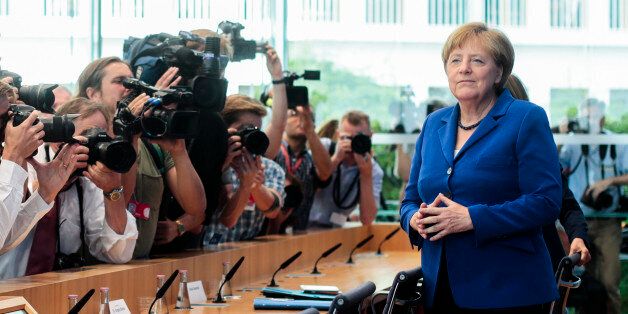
(288, 161)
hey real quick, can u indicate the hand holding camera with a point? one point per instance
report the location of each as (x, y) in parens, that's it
(53, 176)
(246, 167)
(103, 177)
(22, 140)
(273, 63)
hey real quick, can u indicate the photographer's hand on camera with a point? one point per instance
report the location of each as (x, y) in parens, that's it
(234, 150)
(365, 164)
(54, 175)
(22, 140)
(169, 78)
(343, 147)
(598, 187)
(109, 181)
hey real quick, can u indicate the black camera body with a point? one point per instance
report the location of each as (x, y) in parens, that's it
(115, 153)
(361, 144)
(161, 122)
(39, 96)
(603, 201)
(253, 139)
(242, 49)
(57, 129)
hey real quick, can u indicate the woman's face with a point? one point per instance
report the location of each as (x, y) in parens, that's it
(472, 72)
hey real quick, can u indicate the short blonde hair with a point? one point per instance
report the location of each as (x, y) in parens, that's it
(236, 105)
(495, 41)
(356, 118)
(85, 107)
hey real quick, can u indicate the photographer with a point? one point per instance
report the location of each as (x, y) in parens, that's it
(19, 209)
(596, 173)
(102, 80)
(254, 184)
(357, 178)
(307, 169)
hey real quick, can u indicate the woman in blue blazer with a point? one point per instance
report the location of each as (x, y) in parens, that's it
(484, 180)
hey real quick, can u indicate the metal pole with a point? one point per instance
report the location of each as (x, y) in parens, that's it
(96, 29)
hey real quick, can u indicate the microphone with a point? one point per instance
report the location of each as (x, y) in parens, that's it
(283, 265)
(81, 303)
(390, 235)
(359, 245)
(325, 254)
(164, 288)
(228, 277)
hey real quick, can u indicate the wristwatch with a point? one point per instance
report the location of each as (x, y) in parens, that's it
(115, 194)
(180, 227)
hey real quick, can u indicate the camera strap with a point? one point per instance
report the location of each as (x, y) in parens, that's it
(79, 194)
(288, 161)
(336, 190)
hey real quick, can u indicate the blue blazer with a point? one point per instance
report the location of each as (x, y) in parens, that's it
(508, 175)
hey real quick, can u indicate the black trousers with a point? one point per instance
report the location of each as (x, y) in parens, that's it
(444, 300)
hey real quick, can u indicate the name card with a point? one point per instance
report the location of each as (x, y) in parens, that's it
(118, 307)
(196, 292)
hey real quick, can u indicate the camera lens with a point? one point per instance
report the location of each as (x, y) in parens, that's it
(117, 155)
(58, 129)
(361, 144)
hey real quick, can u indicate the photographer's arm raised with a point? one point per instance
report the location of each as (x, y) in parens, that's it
(277, 124)
(246, 170)
(320, 154)
(602, 185)
(368, 204)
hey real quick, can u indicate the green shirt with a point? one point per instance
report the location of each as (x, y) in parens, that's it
(149, 189)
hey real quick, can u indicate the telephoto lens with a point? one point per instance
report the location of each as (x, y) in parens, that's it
(117, 154)
(361, 144)
(255, 141)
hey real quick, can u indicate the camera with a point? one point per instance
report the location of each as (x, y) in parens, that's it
(573, 126)
(161, 122)
(56, 128)
(361, 144)
(39, 96)
(297, 95)
(242, 49)
(115, 153)
(201, 72)
(255, 141)
(604, 200)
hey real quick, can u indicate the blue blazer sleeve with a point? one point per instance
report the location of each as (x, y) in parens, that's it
(412, 200)
(539, 182)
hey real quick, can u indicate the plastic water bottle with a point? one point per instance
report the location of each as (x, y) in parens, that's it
(183, 298)
(226, 288)
(161, 305)
(72, 300)
(104, 301)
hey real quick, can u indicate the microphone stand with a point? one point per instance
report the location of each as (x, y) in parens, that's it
(283, 265)
(163, 289)
(390, 235)
(325, 254)
(359, 245)
(228, 277)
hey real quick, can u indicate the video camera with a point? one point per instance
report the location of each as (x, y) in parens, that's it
(242, 49)
(200, 71)
(57, 129)
(297, 95)
(39, 96)
(157, 121)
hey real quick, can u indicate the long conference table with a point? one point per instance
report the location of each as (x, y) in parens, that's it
(134, 281)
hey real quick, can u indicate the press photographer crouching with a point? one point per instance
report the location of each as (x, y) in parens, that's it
(160, 160)
(20, 209)
(254, 184)
(356, 180)
(89, 221)
(597, 173)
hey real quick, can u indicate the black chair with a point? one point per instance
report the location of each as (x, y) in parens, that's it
(349, 302)
(405, 296)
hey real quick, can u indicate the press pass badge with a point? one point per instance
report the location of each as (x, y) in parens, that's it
(338, 219)
(139, 210)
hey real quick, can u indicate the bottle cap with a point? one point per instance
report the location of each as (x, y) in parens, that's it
(72, 296)
(103, 289)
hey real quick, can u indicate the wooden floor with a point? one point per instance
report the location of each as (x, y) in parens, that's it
(47, 293)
